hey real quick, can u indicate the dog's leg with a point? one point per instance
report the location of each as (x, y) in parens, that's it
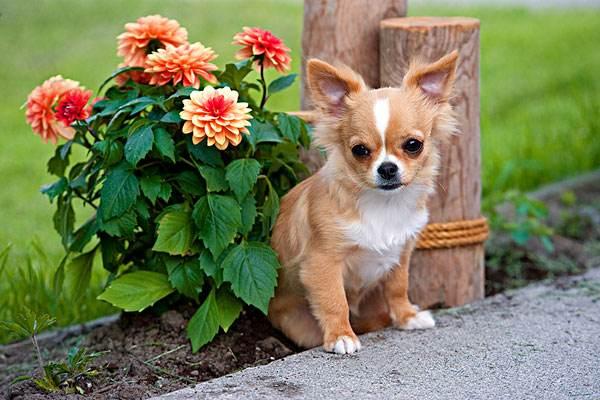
(373, 313)
(291, 315)
(404, 315)
(324, 283)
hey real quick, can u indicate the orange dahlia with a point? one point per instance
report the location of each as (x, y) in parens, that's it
(147, 35)
(261, 42)
(215, 114)
(40, 105)
(185, 63)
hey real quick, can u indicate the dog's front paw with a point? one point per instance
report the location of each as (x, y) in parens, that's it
(343, 344)
(421, 320)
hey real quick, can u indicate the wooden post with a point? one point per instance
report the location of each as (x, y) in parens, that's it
(454, 276)
(346, 31)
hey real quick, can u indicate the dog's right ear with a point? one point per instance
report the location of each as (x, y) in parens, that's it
(331, 86)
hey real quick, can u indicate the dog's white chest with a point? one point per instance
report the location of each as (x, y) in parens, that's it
(387, 222)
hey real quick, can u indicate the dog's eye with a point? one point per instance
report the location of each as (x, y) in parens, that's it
(413, 146)
(360, 151)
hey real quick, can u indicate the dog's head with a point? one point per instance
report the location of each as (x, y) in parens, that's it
(386, 138)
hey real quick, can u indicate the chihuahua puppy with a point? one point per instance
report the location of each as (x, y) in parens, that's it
(345, 235)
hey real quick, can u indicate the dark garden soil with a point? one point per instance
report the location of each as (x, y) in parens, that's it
(148, 354)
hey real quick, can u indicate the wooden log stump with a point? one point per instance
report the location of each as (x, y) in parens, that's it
(451, 276)
(346, 31)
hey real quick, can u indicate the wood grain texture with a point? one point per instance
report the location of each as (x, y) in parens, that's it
(346, 31)
(445, 277)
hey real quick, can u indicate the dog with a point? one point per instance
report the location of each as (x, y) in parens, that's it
(345, 235)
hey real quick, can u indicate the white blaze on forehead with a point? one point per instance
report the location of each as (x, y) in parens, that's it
(381, 110)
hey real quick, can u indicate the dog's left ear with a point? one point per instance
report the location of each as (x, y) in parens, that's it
(435, 80)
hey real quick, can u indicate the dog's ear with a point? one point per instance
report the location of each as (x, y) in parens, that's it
(434, 80)
(330, 86)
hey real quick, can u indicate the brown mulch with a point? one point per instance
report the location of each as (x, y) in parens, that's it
(148, 355)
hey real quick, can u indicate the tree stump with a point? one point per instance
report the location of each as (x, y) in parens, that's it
(346, 31)
(450, 276)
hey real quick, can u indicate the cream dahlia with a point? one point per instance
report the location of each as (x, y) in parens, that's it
(40, 106)
(261, 42)
(185, 63)
(216, 115)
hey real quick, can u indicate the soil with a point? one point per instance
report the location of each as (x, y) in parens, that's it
(148, 354)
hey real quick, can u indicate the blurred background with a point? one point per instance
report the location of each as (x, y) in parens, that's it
(540, 102)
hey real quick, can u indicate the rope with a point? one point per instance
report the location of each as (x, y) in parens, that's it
(453, 234)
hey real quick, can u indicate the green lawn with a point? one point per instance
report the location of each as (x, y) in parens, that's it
(539, 78)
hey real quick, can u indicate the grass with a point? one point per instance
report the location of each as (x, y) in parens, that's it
(540, 97)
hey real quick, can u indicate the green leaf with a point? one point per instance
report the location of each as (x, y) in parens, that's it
(281, 83)
(84, 234)
(117, 72)
(207, 154)
(111, 150)
(182, 92)
(248, 214)
(172, 117)
(79, 273)
(175, 233)
(204, 325)
(210, 267)
(153, 187)
(185, 275)
(271, 207)
(229, 307)
(59, 275)
(123, 225)
(164, 143)
(59, 162)
(262, 132)
(217, 218)
(111, 250)
(290, 126)
(214, 177)
(139, 144)
(55, 189)
(242, 174)
(251, 268)
(119, 192)
(136, 291)
(234, 74)
(64, 220)
(4, 257)
(191, 182)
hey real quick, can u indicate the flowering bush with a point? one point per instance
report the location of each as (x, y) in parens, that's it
(183, 172)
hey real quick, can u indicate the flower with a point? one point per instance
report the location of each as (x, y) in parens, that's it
(184, 63)
(147, 35)
(216, 115)
(261, 42)
(40, 108)
(73, 106)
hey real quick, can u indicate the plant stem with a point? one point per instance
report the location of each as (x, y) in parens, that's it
(37, 351)
(263, 83)
(85, 200)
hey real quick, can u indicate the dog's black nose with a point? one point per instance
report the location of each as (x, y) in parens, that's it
(387, 170)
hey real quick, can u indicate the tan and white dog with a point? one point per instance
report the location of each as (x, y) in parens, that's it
(345, 235)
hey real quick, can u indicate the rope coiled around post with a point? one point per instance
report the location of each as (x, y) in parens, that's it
(453, 234)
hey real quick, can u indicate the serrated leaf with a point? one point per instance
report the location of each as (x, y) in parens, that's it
(185, 275)
(229, 307)
(270, 208)
(136, 291)
(191, 182)
(204, 325)
(55, 189)
(290, 126)
(202, 152)
(154, 187)
(214, 177)
(210, 267)
(234, 74)
(262, 132)
(248, 214)
(217, 218)
(119, 192)
(172, 117)
(59, 162)
(175, 233)
(251, 268)
(164, 143)
(123, 225)
(139, 144)
(79, 273)
(242, 174)
(281, 83)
